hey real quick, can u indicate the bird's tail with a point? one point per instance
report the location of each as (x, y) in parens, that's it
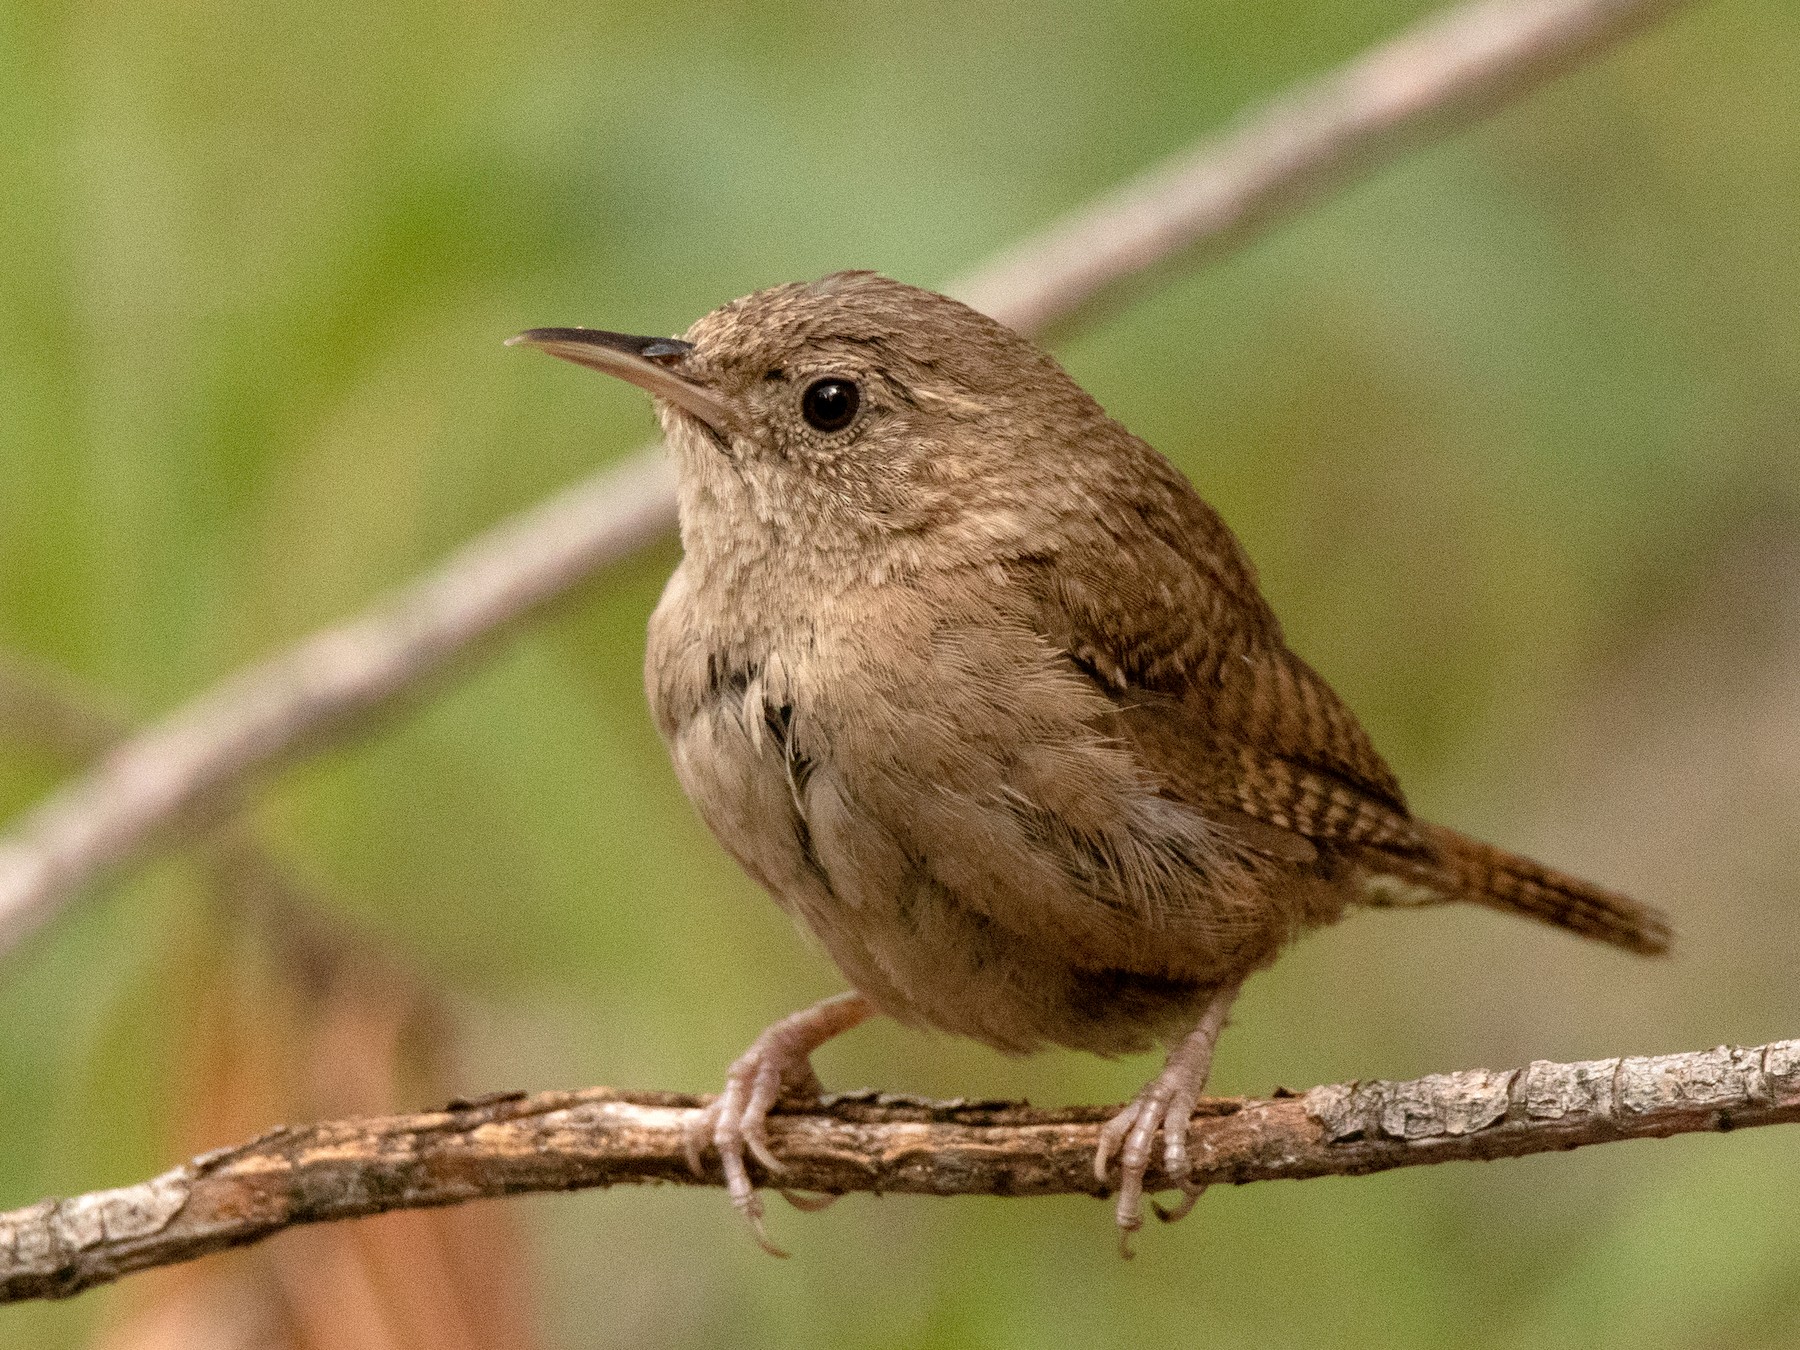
(1467, 869)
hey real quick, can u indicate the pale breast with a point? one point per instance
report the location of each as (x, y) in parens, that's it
(738, 778)
(725, 699)
(734, 736)
(970, 848)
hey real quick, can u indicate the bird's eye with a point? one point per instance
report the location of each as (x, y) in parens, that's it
(830, 404)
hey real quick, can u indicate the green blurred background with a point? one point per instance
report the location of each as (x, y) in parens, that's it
(1512, 430)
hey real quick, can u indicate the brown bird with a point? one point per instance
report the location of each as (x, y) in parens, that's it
(977, 687)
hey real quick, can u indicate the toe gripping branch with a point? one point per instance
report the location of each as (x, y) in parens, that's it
(736, 1121)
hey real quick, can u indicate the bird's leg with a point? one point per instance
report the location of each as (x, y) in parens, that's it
(737, 1118)
(1166, 1103)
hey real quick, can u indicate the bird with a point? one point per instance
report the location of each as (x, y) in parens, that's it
(974, 683)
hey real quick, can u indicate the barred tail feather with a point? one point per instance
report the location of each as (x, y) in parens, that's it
(1467, 869)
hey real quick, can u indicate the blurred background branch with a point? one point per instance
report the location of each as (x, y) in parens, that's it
(1449, 70)
(358, 1026)
(865, 1142)
(1426, 82)
(49, 711)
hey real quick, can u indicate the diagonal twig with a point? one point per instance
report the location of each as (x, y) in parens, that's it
(1438, 76)
(561, 1141)
(1442, 74)
(46, 709)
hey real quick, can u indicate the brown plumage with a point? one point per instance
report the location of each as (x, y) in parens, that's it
(973, 682)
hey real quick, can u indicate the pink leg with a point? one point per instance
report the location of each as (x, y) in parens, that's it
(737, 1119)
(1166, 1103)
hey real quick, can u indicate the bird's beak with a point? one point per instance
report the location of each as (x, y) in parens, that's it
(651, 363)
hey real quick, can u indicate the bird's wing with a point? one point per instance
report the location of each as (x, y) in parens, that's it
(1159, 608)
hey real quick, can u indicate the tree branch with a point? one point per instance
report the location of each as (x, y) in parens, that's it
(46, 709)
(1441, 75)
(1428, 81)
(562, 1141)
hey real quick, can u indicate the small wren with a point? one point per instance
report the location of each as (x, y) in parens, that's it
(976, 686)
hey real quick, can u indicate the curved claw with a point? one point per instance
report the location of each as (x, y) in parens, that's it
(752, 1125)
(1190, 1196)
(1130, 1134)
(752, 1210)
(736, 1122)
(1128, 1224)
(1166, 1103)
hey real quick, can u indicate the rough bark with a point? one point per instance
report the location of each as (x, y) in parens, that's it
(564, 1141)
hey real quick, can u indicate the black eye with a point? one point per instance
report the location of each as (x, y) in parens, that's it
(830, 405)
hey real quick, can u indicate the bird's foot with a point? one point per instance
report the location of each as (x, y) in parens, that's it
(1166, 1104)
(736, 1121)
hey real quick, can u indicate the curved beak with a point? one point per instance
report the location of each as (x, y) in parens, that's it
(651, 363)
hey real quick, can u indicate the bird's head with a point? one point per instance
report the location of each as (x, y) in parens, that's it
(854, 415)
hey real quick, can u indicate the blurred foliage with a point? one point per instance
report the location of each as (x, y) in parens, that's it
(1510, 429)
